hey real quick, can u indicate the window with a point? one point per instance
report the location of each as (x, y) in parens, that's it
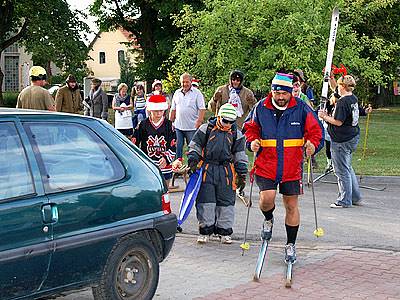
(73, 156)
(121, 56)
(11, 73)
(102, 57)
(15, 176)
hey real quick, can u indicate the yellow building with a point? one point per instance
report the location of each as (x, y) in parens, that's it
(107, 50)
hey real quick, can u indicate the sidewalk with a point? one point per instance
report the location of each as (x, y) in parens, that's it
(347, 274)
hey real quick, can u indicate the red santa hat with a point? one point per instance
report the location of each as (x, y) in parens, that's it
(157, 102)
(155, 82)
(195, 82)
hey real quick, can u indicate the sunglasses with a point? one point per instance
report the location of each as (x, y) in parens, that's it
(236, 79)
(227, 121)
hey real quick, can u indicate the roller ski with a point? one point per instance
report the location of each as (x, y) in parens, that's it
(290, 260)
(266, 234)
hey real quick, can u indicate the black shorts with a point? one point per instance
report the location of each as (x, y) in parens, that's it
(288, 188)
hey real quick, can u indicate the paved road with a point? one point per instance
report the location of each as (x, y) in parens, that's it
(356, 259)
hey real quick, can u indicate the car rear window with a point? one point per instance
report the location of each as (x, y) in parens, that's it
(15, 176)
(72, 156)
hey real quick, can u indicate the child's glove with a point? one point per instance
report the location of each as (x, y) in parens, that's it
(176, 164)
(241, 181)
(192, 164)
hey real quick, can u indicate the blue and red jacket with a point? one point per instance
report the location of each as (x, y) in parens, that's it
(280, 157)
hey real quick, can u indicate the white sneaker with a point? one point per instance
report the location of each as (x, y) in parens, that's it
(215, 237)
(202, 239)
(226, 239)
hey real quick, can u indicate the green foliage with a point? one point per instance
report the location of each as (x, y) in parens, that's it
(128, 73)
(49, 30)
(150, 21)
(263, 36)
(10, 99)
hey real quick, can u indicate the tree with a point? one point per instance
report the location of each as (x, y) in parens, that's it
(263, 36)
(150, 22)
(48, 29)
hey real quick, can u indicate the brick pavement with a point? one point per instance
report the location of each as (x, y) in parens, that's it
(345, 275)
(216, 271)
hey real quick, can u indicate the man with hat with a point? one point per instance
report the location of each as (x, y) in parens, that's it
(219, 147)
(68, 97)
(278, 129)
(35, 96)
(96, 104)
(236, 94)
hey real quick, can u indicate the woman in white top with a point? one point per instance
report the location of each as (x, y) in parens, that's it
(122, 104)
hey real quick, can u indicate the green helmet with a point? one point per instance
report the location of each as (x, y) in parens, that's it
(228, 112)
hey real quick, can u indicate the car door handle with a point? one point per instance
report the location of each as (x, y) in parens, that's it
(49, 213)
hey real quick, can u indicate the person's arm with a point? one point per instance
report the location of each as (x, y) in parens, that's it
(202, 109)
(104, 113)
(332, 82)
(313, 132)
(59, 99)
(200, 119)
(216, 98)
(252, 130)
(19, 104)
(172, 113)
(113, 105)
(50, 102)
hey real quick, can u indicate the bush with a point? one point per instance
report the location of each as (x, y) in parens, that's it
(10, 99)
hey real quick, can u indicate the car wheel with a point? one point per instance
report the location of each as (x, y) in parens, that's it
(131, 271)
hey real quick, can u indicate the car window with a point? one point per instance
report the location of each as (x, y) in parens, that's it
(73, 156)
(15, 176)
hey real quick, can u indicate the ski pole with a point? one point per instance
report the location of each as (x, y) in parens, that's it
(245, 245)
(308, 173)
(318, 232)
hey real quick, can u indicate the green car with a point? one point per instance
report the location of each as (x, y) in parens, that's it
(80, 206)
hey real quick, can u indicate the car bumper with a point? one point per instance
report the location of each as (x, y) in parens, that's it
(166, 225)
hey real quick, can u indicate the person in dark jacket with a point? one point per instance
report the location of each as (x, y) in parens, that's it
(68, 97)
(278, 129)
(219, 148)
(96, 104)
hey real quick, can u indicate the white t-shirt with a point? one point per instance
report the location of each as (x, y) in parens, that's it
(123, 119)
(187, 108)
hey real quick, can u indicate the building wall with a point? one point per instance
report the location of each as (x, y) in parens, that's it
(15, 64)
(109, 43)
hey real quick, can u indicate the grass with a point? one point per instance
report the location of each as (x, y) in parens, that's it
(382, 148)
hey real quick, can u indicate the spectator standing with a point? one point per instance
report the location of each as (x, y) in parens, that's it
(96, 104)
(139, 105)
(235, 93)
(187, 112)
(35, 96)
(68, 97)
(122, 105)
(345, 134)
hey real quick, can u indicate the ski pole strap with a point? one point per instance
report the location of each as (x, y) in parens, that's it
(253, 168)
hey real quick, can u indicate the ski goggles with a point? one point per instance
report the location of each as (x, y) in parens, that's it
(228, 121)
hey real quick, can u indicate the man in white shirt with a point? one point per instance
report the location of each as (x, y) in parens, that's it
(187, 112)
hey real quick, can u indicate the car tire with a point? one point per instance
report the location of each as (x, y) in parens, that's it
(131, 271)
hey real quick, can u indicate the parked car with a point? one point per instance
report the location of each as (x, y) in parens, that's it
(80, 206)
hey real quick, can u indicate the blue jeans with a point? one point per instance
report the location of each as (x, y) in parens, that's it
(349, 191)
(181, 135)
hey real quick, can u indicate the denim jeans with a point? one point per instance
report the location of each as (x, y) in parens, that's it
(349, 190)
(181, 135)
